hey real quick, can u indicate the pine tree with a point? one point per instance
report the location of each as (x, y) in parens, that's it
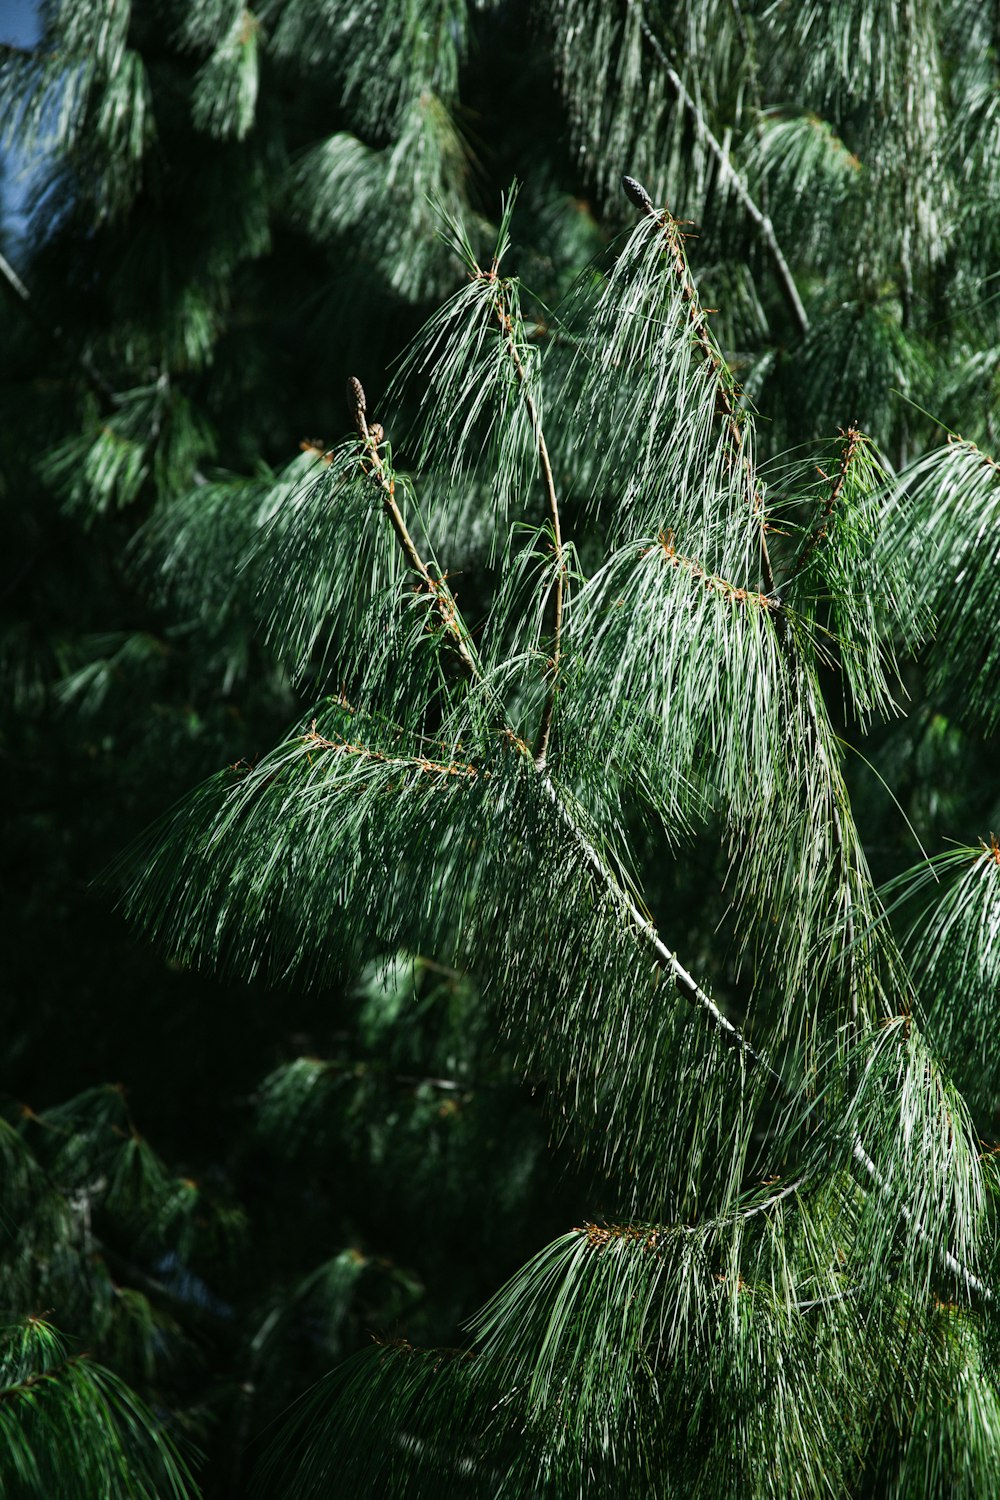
(682, 674)
(578, 644)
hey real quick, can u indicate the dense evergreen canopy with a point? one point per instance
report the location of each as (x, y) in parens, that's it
(504, 890)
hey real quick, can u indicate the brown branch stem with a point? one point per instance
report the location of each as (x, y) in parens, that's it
(954, 441)
(49, 1376)
(441, 596)
(405, 762)
(712, 581)
(651, 1236)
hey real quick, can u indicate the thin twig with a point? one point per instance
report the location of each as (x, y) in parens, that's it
(954, 441)
(599, 1235)
(553, 504)
(825, 1301)
(852, 439)
(650, 1236)
(753, 74)
(644, 929)
(786, 282)
(441, 595)
(6, 269)
(50, 1375)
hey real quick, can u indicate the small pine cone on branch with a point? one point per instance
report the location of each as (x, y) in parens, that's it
(357, 405)
(636, 193)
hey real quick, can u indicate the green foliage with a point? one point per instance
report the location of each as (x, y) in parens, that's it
(72, 1427)
(946, 523)
(151, 436)
(952, 943)
(225, 87)
(540, 885)
(338, 824)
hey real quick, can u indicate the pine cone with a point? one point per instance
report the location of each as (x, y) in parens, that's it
(357, 405)
(636, 193)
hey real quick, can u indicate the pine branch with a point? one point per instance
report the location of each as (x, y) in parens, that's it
(954, 1265)
(647, 933)
(726, 405)
(49, 1375)
(443, 600)
(642, 928)
(711, 580)
(73, 1427)
(852, 438)
(812, 1110)
(728, 172)
(952, 906)
(638, 195)
(503, 317)
(954, 441)
(944, 530)
(409, 763)
(456, 635)
(601, 1234)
